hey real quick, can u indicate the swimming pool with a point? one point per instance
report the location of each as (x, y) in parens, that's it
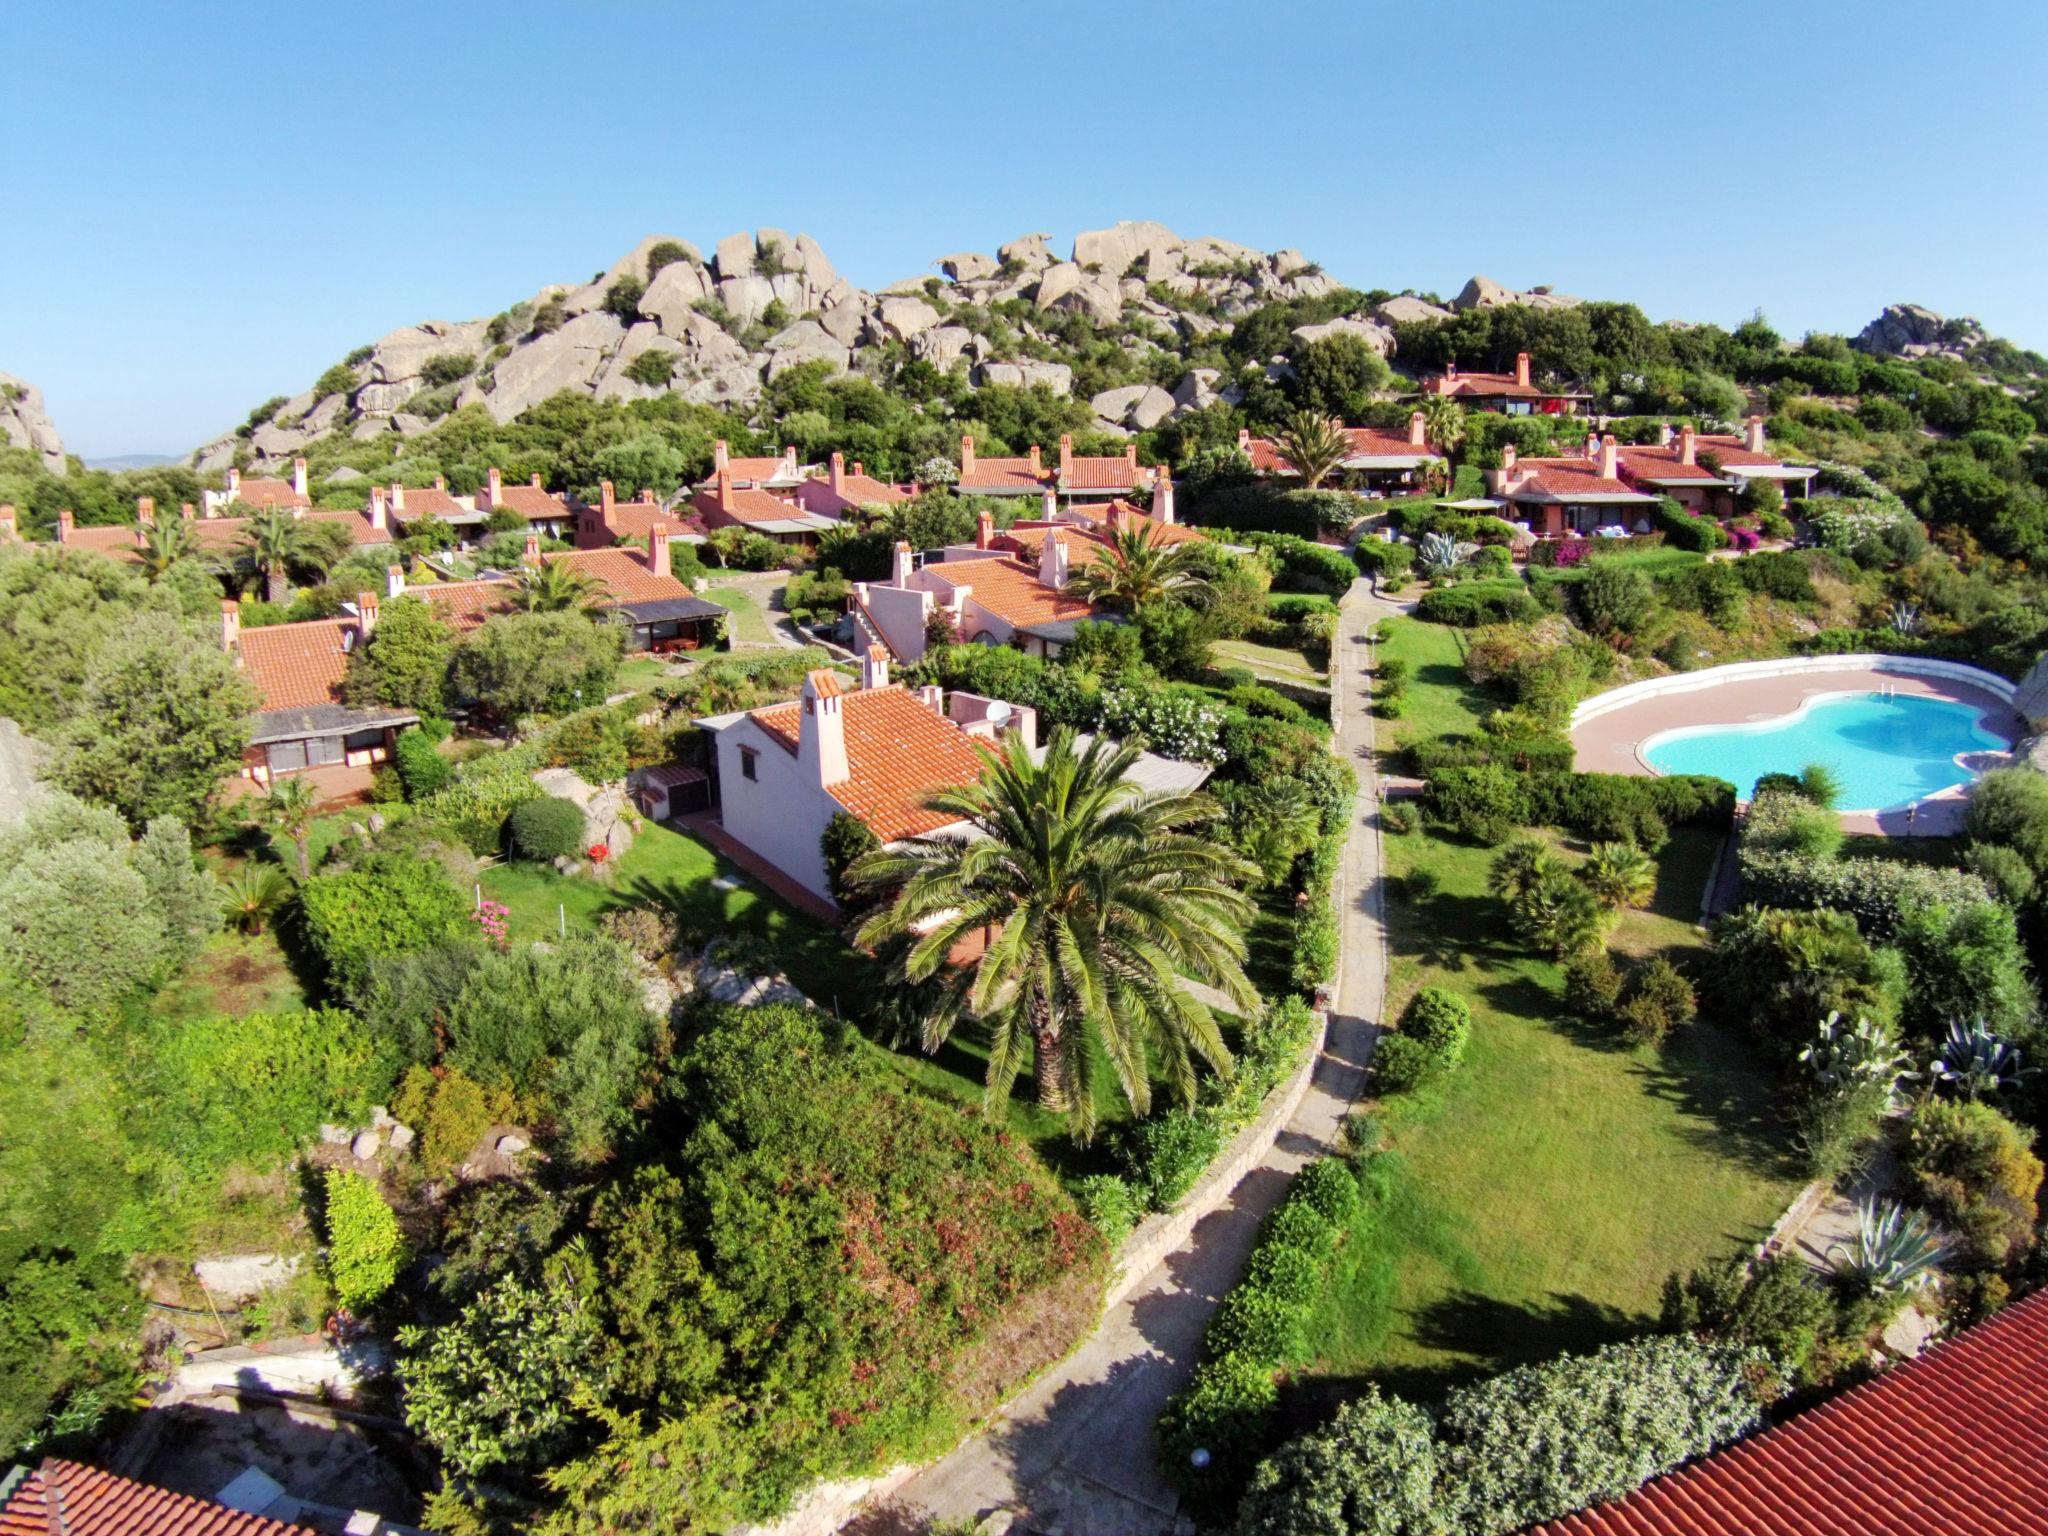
(1886, 751)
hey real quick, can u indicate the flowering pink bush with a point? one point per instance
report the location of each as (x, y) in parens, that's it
(489, 918)
(1571, 552)
(1746, 539)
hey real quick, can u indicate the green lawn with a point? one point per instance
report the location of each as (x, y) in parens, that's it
(235, 973)
(1286, 663)
(1440, 701)
(748, 625)
(1535, 1201)
(640, 673)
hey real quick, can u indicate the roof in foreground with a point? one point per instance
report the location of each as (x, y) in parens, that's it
(1954, 1442)
(76, 1500)
(899, 753)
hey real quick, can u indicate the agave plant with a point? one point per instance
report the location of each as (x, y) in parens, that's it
(1439, 554)
(1976, 1061)
(1904, 618)
(1844, 1055)
(1895, 1250)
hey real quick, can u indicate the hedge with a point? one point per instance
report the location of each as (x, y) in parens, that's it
(1250, 509)
(1685, 530)
(1487, 801)
(1527, 754)
(1876, 892)
(1383, 558)
(548, 828)
(1889, 642)
(1472, 603)
(1303, 564)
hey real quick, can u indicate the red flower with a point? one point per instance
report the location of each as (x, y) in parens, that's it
(598, 852)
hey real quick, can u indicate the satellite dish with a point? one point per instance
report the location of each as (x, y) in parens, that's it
(998, 712)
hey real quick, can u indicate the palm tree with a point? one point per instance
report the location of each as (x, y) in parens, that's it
(1137, 566)
(554, 587)
(1105, 898)
(1559, 913)
(292, 807)
(1276, 820)
(273, 544)
(1619, 875)
(1314, 444)
(252, 895)
(1443, 423)
(164, 544)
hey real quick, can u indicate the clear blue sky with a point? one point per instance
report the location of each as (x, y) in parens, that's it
(209, 204)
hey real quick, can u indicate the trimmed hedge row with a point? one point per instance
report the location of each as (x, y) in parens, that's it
(1488, 801)
(1473, 603)
(1683, 530)
(1227, 1408)
(1888, 642)
(1315, 944)
(1303, 564)
(1526, 754)
(1876, 892)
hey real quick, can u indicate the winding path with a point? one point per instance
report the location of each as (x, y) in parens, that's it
(1074, 1453)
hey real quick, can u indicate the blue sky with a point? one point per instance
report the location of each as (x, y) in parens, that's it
(210, 204)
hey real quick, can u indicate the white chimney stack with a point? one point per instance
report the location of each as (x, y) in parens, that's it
(900, 564)
(394, 580)
(821, 729)
(1753, 434)
(874, 668)
(1162, 496)
(1052, 561)
(380, 509)
(299, 476)
(230, 623)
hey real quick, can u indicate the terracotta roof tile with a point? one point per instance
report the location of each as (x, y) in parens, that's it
(753, 471)
(295, 666)
(1497, 386)
(634, 519)
(1955, 1442)
(430, 501)
(265, 494)
(1564, 479)
(1104, 474)
(625, 574)
(77, 1500)
(817, 495)
(219, 535)
(1010, 589)
(464, 605)
(996, 475)
(531, 502)
(747, 506)
(1363, 443)
(899, 753)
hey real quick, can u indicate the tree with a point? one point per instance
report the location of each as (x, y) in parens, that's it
(76, 921)
(1616, 599)
(1339, 376)
(251, 896)
(1314, 444)
(1371, 1471)
(387, 905)
(1964, 960)
(555, 587)
(162, 718)
(1559, 913)
(404, 663)
(538, 663)
(291, 806)
(1620, 875)
(164, 544)
(273, 545)
(1138, 566)
(183, 894)
(1105, 900)
(59, 608)
(1443, 423)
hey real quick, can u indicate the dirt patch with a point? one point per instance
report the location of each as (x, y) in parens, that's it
(1028, 1335)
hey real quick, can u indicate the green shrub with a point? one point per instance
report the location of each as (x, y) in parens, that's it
(1977, 1173)
(483, 793)
(1685, 530)
(1380, 557)
(386, 905)
(1226, 1409)
(1111, 1207)
(1165, 1155)
(1391, 707)
(1440, 1021)
(1399, 816)
(2010, 806)
(1302, 565)
(1472, 603)
(1400, 1063)
(364, 1249)
(547, 829)
(1662, 1000)
(1314, 946)
(1592, 985)
(1876, 892)
(1484, 802)
(2005, 870)
(421, 768)
(76, 921)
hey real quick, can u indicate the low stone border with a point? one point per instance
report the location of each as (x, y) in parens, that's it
(1796, 1215)
(1790, 666)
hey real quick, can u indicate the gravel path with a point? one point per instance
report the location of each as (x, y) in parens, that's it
(1074, 1454)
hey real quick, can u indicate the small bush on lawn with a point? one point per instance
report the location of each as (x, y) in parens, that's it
(1166, 1154)
(1592, 985)
(1400, 1063)
(1440, 1021)
(547, 829)
(1111, 1207)
(364, 1249)
(1392, 707)
(1399, 816)
(1661, 1002)
(1393, 675)
(1473, 603)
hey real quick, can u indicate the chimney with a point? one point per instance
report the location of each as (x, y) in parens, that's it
(494, 487)
(874, 668)
(1688, 445)
(185, 511)
(900, 564)
(366, 613)
(838, 475)
(234, 482)
(1753, 434)
(397, 497)
(535, 482)
(1450, 376)
(984, 531)
(605, 497)
(857, 470)
(299, 477)
(1131, 461)
(1522, 369)
(1663, 434)
(1507, 458)
(933, 698)
(657, 548)
(230, 623)
(1052, 561)
(440, 482)
(788, 465)
(380, 509)
(821, 729)
(1051, 505)
(145, 511)
(720, 455)
(64, 521)
(8, 527)
(725, 487)
(1607, 457)
(531, 555)
(1162, 496)
(1244, 441)
(394, 580)
(1037, 468)
(1066, 455)
(966, 457)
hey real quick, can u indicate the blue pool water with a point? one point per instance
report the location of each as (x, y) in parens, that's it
(1886, 752)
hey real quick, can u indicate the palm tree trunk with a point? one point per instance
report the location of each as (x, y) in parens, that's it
(1046, 1065)
(274, 586)
(300, 840)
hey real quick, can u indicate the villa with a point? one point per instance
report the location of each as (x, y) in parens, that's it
(1554, 497)
(1377, 459)
(213, 535)
(1707, 474)
(613, 522)
(840, 491)
(781, 473)
(545, 512)
(755, 510)
(1509, 394)
(1077, 477)
(407, 507)
(259, 495)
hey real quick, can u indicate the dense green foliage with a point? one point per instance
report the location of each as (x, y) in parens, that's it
(386, 905)
(548, 828)
(364, 1248)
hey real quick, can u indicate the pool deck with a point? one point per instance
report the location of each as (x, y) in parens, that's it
(1612, 743)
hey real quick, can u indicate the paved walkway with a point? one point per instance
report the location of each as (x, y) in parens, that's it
(1074, 1454)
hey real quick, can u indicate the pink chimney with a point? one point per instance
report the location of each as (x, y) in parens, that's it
(1688, 446)
(1418, 430)
(1037, 468)
(1607, 457)
(9, 528)
(1522, 369)
(1066, 455)
(837, 476)
(531, 555)
(494, 487)
(984, 531)
(145, 511)
(604, 496)
(380, 509)
(299, 476)
(366, 613)
(64, 522)
(657, 548)
(966, 457)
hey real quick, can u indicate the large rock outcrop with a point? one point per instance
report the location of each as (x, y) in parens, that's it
(1909, 330)
(1485, 293)
(25, 425)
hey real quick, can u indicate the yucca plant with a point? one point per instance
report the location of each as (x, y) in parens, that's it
(1619, 875)
(1975, 1061)
(252, 895)
(1904, 618)
(1439, 555)
(1844, 1055)
(1895, 1251)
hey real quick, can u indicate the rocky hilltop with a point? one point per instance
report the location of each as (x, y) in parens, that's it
(1908, 330)
(24, 424)
(715, 325)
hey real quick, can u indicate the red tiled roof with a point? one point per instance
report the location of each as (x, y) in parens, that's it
(265, 494)
(633, 519)
(1565, 479)
(464, 605)
(121, 539)
(1005, 475)
(218, 534)
(1659, 461)
(295, 666)
(64, 1498)
(753, 469)
(1268, 458)
(1100, 474)
(1010, 589)
(430, 501)
(746, 506)
(899, 753)
(817, 495)
(1954, 1443)
(530, 502)
(1497, 385)
(625, 573)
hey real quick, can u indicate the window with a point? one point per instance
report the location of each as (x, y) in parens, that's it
(747, 756)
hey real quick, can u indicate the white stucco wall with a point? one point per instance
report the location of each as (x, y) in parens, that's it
(1789, 666)
(782, 812)
(900, 615)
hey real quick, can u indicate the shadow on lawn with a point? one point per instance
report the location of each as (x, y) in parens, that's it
(1447, 930)
(1730, 1104)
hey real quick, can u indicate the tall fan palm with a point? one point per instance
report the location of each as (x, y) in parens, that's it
(1106, 899)
(273, 544)
(553, 587)
(1443, 423)
(1138, 566)
(292, 807)
(1314, 444)
(164, 544)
